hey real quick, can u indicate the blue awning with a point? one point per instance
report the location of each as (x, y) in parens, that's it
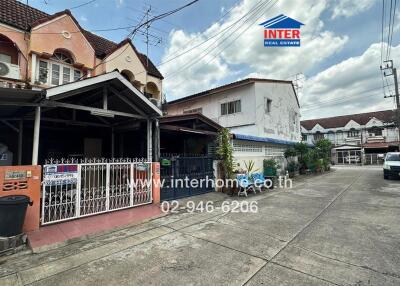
(265, 139)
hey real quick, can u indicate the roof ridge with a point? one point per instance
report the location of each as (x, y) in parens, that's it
(227, 85)
(346, 115)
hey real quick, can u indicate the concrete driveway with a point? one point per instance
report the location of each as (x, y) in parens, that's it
(340, 228)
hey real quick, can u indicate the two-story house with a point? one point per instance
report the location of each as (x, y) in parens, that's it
(262, 114)
(72, 83)
(38, 50)
(357, 138)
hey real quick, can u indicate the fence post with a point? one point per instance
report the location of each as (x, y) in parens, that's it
(78, 192)
(107, 186)
(131, 185)
(155, 166)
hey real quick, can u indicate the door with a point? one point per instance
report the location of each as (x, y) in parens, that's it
(92, 148)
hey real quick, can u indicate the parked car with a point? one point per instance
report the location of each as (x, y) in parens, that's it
(391, 166)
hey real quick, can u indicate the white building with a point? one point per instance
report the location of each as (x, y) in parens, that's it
(357, 138)
(262, 114)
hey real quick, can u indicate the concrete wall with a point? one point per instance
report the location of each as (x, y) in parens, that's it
(63, 33)
(76, 44)
(125, 58)
(253, 119)
(211, 105)
(17, 36)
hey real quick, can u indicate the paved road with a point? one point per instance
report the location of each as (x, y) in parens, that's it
(340, 228)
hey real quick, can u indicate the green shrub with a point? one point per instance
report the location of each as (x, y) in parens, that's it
(270, 167)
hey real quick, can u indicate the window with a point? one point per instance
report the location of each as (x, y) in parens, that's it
(247, 147)
(194, 110)
(55, 73)
(43, 72)
(77, 75)
(231, 107)
(5, 58)
(66, 75)
(268, 105)
(274, 151)
(62, 57)
(318, 136)
(304, 137)
(353, 133)
(375, 131)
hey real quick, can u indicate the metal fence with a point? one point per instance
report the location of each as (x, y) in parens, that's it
(72, 189)
(349, 157)
(176, 169)
(374, 159)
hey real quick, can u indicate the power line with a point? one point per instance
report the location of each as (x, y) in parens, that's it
(133, 32)
(178, 54)
(205, 41)
(241, 33)
(255, 12)
(342, 99)
(83, 4)
(393, 20)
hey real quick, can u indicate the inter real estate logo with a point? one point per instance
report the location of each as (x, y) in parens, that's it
(281, 31)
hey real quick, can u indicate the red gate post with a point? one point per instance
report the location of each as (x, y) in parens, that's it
(23, 180)
(156, 182)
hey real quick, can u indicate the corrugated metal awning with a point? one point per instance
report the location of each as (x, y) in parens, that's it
(263, 139)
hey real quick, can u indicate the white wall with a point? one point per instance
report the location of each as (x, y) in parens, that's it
(252, 120)
(283, 122)
(211, 105)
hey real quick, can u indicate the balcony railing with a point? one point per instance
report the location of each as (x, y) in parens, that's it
(377, 139)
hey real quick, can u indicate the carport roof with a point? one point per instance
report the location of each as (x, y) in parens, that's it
(12, 99)
(113, 79)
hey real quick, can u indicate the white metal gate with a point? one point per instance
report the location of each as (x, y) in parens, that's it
(350, 157)
(71, 190)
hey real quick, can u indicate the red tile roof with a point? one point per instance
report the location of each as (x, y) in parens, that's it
(21, 16)
(341, 121)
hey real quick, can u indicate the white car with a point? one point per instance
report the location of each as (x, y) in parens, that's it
(391, 166)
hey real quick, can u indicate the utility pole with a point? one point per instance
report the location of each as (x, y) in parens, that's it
(389, 65)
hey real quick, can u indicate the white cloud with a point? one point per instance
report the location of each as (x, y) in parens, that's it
(348, 8)
(248, 50)
(351, 86)
(119, 3)
(83, 18)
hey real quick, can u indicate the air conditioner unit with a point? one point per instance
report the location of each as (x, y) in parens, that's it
(9, 70)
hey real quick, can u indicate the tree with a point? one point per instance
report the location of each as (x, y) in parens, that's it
(324, 147)
(302, 149)
(225, 152)
(290, 152)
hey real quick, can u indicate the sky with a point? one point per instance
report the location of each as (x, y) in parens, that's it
(337, 63)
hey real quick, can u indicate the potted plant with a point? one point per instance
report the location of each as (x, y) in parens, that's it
(270, 167)
(250, 167)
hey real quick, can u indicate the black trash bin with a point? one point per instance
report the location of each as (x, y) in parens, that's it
(12, 214)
